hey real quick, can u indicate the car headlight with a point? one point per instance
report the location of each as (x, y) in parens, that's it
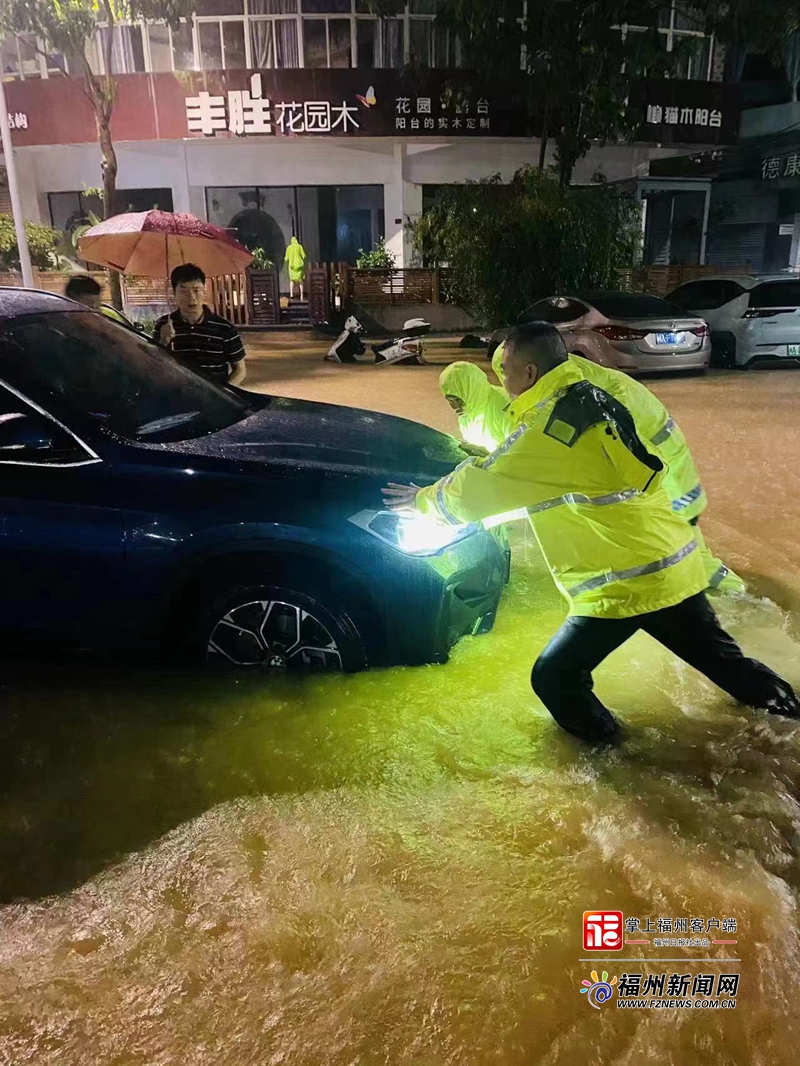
(411, 534)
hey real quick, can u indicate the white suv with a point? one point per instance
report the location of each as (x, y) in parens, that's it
(751, 317)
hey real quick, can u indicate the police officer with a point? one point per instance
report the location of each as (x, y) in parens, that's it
(619, 553)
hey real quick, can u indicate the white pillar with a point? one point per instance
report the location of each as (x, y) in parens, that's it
(13, 192)
(412, 212)
(794, 254)
(393, 207)
(704, 236)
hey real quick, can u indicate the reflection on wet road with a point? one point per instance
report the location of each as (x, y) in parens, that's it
(392, 867)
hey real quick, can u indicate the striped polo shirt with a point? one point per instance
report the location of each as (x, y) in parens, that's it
(211, 346)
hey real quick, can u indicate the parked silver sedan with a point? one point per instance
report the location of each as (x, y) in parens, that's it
(630, 331)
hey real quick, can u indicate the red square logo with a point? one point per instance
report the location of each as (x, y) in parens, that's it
(602, 930)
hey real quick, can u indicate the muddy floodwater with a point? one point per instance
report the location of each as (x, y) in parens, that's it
(392, 867)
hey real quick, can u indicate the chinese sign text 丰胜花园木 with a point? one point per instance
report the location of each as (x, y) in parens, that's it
(245, 112)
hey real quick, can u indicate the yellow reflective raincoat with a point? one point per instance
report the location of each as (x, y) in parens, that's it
(484, 420)
(295, 259)
(662, 435)
(594, 495)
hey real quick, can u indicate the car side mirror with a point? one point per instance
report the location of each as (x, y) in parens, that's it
(25, 434)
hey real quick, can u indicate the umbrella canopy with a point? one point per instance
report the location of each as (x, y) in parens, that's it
(152, 243)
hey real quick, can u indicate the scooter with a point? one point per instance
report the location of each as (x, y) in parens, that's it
(348, 346)
(405, 350)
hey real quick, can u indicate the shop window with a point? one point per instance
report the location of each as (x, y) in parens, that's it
(693, 56)
(325, 7)
(219, 7)
(68, 210)
(379, 43)
(339, 44)
(315, 42)
(367, 43)
(9, 58)
(160, 47)
(274, 43)
(421, 41)
(272, 7)
(234, 55)
(430, 45)
(183, 47)
(326, 42)
(210, 45)
(222, 45)
(29, 56)
(127, 48)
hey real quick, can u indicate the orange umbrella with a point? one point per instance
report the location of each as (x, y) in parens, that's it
(152, 243)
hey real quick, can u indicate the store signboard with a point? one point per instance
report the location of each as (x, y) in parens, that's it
(689, 112)
(248, 111)
(342, 103)
(786, 165)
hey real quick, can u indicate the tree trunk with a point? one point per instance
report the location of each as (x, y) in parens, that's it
(109, 171)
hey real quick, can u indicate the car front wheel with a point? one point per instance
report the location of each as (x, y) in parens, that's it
(274, 627)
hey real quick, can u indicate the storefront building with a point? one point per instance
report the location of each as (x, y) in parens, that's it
(274, 117)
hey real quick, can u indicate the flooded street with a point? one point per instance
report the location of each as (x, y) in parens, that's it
(392, 867)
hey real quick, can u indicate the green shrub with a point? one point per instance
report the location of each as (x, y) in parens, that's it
(507, 246)
(42, 243)
(379, 258)
(260, 260)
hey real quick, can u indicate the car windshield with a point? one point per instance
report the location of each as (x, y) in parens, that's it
(108, 372)
(631, 305)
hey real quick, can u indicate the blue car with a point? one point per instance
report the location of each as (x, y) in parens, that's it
(145, 508)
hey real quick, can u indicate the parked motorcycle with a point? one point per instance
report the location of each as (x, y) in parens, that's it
(348, 346)
(404, 350)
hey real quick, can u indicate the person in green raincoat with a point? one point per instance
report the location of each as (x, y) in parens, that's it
(295, 260)
(479, 406)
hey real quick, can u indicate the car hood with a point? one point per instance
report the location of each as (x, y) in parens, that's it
(302, 433)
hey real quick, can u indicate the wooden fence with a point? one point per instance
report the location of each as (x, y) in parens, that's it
(54, 280)
(228, 296)
(406, 286)
(254, 298)
(146, 292)
(660, 280)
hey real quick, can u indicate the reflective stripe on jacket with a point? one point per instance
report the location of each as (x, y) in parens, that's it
(594, 496)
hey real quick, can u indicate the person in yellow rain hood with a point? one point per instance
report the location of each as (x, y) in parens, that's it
(479, 406)
(662, 435)
(619, 553)
(295, 260)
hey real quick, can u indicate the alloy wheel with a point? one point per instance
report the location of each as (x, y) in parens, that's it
(273, 634)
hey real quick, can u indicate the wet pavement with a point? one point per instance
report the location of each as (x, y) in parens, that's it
(392, 867)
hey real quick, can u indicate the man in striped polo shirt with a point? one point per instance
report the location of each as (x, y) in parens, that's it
(196, 336)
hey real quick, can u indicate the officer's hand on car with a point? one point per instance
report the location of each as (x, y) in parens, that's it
(400, 497)
(473, 449)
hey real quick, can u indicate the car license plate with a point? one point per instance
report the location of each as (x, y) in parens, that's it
(664, 339)
(794, 349)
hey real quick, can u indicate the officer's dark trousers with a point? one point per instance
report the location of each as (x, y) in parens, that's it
(562, 675)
